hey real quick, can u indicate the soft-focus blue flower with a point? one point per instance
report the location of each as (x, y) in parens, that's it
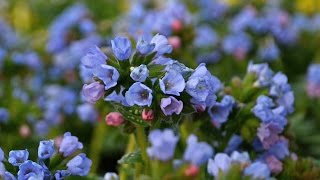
(171, 105)
(2, 170)
(46, 149)
(94, 58)
(108, 74)
(28, 58)
(242, 158)
(93, 92)
(41, 128)
(18, 157)
(9, 176)
(212, 57)
(139, 94)
(79, 165)
(263, 72)
(202, 86)
(269, 52)
(205, 37)
(212, 10)
(313, 80)
(4, 115)
(145, 48)
(220, 111)
(30, 170)
(172, 83)
(140, 73)
(268, 134)
(237, 45)
(243, 20)
(111, 176)
(197, 153)
(280, 149)
(61, 174)
(257, 170)
(117, 97)
(233, 143)
(121, 47)
(163, 144)
(221, 162)
(87, 112)
(69, 144)
(1, 155)
(162, 45)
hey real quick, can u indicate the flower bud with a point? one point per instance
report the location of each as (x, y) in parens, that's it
(24, 131)
(175, 42)
(114, 119)
(147, 115)
(176, 25)
(191, 170)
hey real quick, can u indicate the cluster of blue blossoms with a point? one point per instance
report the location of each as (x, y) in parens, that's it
(50, 162)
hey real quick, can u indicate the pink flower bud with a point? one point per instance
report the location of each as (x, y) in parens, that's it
(114, 119)
(147, 115)
(191, 170)
(175, 42)
(24, 131)
(274, 164)
(57, 141)
(176, 25)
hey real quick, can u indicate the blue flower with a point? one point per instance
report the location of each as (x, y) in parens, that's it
(139, 94)
(140, 73)
(219, 112)
(221, 162)
(69, 144)
(87, 113)
(108, 74)
(257, 170)
(162, 45)
(269, 52)
(144, 47)
(61, 174)
(18, 157)
(94, 57)
(242, 158)
(202, 86)
(233, 143)
(172, 83)
(111, 176)
(280, 149)
(4, 115)
(171, 105)
(263, 72)
(1, 155)
(79, 165)
(313, 80)
(9, 176)
(163, 144)
(197, 153)
(46, 149)
(30, 170)
(205, 37)
(237, 44)
(117, 97)
(121, 47)
(93, 92)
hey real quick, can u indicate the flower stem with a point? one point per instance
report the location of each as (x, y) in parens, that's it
(130, 147)
(141, 140)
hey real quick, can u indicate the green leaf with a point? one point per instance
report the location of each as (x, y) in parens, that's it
(149, 58)
(131, 158)
(155, 70)
(132, 114)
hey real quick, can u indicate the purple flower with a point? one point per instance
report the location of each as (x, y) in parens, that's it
(274, 164)
(197, 153)
(221, 162)
(61, 174)
(263, 72)
(139, 94)
(46, 149)
(172, 83)
(140, 73)
(268, 134)
(1, 155)
(233, 143)
(108, 74)
(219, 112)
(69, 144)
(237, 44)
(313, 81)
(257, 170)
(171, 105)
(163, 144)
(4, 115)
(93, 92)
(79, 165)
(87, 113)
(280, 149)
(162, 45)
(144, 47)
(94, 58)
(30, 170)
(121, 47)
(18, 157)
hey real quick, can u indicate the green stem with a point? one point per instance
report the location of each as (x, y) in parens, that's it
(141, 140)
(96, 146)
(130, 147)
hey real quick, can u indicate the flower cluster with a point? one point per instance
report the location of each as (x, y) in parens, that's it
(48, 159)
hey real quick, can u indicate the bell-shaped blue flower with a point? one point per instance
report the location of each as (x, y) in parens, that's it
(257, 170)
(69, 144)
(140, 73)
(94, 57)
(108, 74)
(172, 83)
(121, 47)
(79, 165)
(46, 149)
(171, 105)
(30, 170)
(145, 48)
(220, 111)
(139, 94)
(18, 157)
(162, 45)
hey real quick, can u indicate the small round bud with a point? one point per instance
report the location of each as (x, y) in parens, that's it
(175, 41)
(24, 131)
(147, 115)
(176, 25)
(191, 171)
(114, 119)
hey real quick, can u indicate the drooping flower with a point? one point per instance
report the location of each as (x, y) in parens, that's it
(121, 47)
(94, 57)
(30, 170)
(140, 73)
(171, 105)
(197, 153)
(46, 149)
(69, 144)
(79, 165)
(93, 92)
(162, 45)
(61, 174)
(114, 119)
(18, 157)
(163, 144)
(144, 47)
(263, 72)
(108, 74)
(257, 170)
(220, 111)
(139, 94)
(9, 176)
(172, 83)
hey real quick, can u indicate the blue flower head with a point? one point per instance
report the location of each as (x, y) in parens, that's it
(108, 74)
(94, 58)
(257, 170)
(69, 144)
(1, 155)
(18, 157)
(172, 83)
(163, 144)
(197, 153)
(139, 94)
(87, 113)
(30, 170)
(140, 73)
(121, 47)
(4, 115)
(79, 165)
(263, 72)
(61, 174)
(162, 45)
(145, 48)
(46, 149)
(313, 80)
(93, 92)
(269, 52)
(220, 111)
(171, 105)
(221, 162)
